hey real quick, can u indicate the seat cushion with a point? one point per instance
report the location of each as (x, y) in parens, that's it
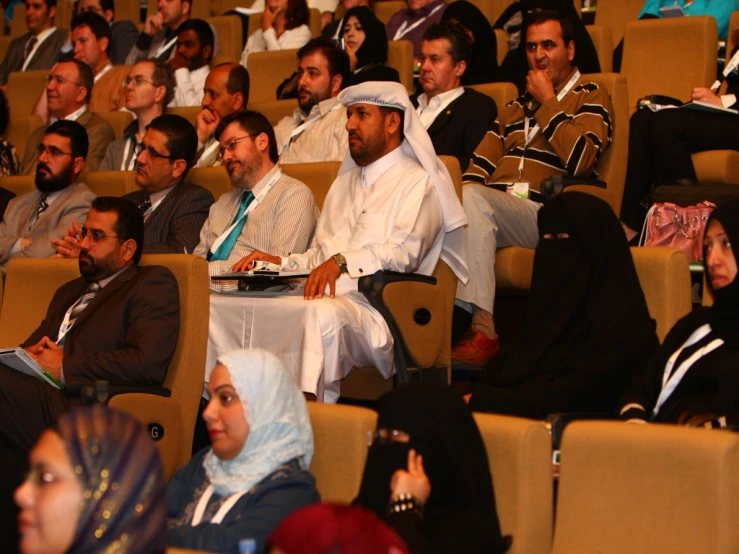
(513, 268)
(717, 166)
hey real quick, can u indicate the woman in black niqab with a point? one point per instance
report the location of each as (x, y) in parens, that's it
(459, 516)
(586, 328)
(483, 66)
(515, 66)
(707, 340)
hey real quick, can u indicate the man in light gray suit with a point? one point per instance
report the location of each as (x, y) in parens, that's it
(39, 48)
(34, 219)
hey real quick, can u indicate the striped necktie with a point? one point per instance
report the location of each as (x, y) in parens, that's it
(144, 205)
(223, 251)
(76, 309)
(42, 205)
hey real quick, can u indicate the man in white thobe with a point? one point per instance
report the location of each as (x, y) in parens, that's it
(392, 207)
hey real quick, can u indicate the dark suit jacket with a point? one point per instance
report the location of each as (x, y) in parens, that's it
(128, 331)
(124, 37)
(46, 54)
(175, 225)
(458, 130)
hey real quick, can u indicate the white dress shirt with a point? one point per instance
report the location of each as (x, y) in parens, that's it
(321, 5)
(319, 137)
(190, 87)
(267, 41)
(428, 111)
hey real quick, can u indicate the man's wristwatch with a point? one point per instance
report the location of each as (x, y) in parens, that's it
(341, 262)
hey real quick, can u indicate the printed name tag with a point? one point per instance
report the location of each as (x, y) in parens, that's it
(520, 189)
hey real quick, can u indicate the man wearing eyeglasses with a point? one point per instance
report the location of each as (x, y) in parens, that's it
(39, 48)
(68, 90)
(34, 219)
(267, 210)
(118, 322)
(174, 211)
(148, 87)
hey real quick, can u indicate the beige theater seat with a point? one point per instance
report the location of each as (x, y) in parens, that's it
(213, 179)
(19, 184)
(19, 130)
(30, 284)
(400, 58)
(341, 444)
(717, 166)
(274, 110)
(385, 10)
(117, 120)
(615, 14)
(229, 32)
(520, 452)
(501, 93)
(188, 112)
(669, 56)
(647, 489)
(603, 41)
(268, 70)
(513, 266)
(127, 10)
(24, 88)
(501, 39)
(110, 183)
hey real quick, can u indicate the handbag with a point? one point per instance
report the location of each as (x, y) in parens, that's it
(668, 224)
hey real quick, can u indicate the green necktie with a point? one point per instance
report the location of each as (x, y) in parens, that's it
(227, 245)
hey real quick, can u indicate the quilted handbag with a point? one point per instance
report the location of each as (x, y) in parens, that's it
(668, 224)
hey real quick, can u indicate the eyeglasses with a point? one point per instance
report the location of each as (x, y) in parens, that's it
(137, 80)
(58, 79)
(52, 150)
(154, 154)
(94, 235)
(232, 144)
(387, 436)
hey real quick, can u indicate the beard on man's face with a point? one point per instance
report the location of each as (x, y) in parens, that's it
(47, 182)
(93, 269)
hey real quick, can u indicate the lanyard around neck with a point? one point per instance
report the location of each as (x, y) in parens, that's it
(221, 513)
(252, 206)
(404, 29)
(670, 380)
(529, 136)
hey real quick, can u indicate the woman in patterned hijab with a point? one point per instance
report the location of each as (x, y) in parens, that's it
(95, 485)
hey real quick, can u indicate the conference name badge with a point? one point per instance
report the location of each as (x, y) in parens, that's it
(519, 189)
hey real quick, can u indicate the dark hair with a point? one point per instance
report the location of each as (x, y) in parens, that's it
(161, 76)
(97, 24)
(387, 110)
(238, 80)
(4, 114)
(296, 14)
(202, 30)
(106, 5)
(79, 143)
(460, 45)
(182, 140)
(84, 78)
(129, 224)
(538, 17)
(253, 123)
(338, 60)
(50, 3)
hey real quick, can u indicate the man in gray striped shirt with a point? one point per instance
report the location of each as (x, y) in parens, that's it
(267, 211)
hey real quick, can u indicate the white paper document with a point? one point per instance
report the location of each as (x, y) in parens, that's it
(19, 359)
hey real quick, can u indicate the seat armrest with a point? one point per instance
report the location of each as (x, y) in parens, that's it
(557, 183)
(558, 422)
(374, 289)
(100, 392)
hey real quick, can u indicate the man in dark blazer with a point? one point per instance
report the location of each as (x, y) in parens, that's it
(126, 331)
(456, 118)
(174, 211)
(124, 33)
(39, 48)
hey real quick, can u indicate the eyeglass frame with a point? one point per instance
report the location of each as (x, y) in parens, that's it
(93, 235)
(53, 151)
(59, 80)
(149, 150)
(233, 142)
(137, 81)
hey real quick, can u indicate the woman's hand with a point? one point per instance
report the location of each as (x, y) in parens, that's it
(413, 481)
(352, 58)
(268, 18)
